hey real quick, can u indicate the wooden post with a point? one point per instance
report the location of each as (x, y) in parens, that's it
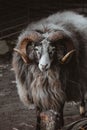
(49, 120)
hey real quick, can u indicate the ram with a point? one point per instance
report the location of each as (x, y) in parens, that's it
(50, 63)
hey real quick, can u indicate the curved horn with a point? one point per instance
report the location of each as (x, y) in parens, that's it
(57, 35)
(23, 55)
(22, 50)
(66, 57)
(33, 36)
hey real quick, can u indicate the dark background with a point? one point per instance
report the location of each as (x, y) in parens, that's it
(17, 14)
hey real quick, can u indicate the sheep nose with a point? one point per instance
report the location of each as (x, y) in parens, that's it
(44, 67)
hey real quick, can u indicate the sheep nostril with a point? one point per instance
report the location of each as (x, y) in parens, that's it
(44, 67)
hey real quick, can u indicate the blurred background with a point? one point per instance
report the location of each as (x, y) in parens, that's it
(15, 15)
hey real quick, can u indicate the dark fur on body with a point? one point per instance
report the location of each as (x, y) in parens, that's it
(44, 90)
(62, 82)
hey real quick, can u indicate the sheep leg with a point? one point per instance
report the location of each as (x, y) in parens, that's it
(59, 121)
(38, 119)
(82, 107)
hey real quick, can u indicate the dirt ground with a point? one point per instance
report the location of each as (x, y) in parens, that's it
(13, 114)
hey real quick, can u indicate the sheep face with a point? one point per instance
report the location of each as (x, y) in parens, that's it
(43, 53)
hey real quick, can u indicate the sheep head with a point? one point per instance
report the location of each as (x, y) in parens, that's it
(44, 46)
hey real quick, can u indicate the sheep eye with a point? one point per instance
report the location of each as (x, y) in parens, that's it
(38, 50)
(35, 49)
(51, 51)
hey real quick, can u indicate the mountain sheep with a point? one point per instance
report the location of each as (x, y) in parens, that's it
(50, 63)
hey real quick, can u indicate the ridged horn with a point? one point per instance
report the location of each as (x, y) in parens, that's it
(33, 36)
(23, 55)
(22, 50)
(66, 57)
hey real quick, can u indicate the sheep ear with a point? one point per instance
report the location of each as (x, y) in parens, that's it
(67, 56)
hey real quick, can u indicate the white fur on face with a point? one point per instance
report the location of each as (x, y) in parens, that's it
(44, 62)
(45, 53)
